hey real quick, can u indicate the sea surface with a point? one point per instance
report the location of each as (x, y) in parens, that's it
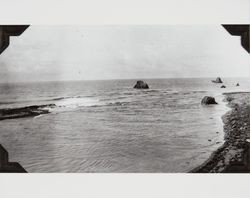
(107, 126)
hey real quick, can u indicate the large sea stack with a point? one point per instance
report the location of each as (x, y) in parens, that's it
(141, 85)
(207, 100)
(218, 80)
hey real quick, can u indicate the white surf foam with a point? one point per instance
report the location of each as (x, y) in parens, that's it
(38, 116)
(75, 102)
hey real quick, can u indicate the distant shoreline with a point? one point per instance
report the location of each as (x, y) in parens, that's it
(234, 155)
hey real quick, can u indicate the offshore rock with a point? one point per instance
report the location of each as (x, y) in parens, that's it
(218, 80)
(141, 85)
(207, 100)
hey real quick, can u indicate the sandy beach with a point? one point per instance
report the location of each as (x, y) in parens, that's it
(233, 156)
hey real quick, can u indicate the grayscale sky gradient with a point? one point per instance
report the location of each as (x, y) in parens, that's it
(45, 53)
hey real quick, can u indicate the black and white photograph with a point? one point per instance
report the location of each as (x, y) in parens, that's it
(124, 98)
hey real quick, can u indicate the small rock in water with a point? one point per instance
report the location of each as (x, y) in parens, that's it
(223, 86)
(209, 140)
(208, 100)
(217, 132)
(141, 85)
(218, 80)
(237, 84)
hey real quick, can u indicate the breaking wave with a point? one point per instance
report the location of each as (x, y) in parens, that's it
(75, 102)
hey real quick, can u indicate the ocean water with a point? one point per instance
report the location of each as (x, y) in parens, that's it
(107, 126)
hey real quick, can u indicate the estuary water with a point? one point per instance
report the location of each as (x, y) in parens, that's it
(107, 126)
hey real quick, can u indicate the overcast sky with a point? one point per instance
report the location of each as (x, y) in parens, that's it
(116, 52)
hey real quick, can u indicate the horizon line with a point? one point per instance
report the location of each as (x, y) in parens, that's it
(145, 78)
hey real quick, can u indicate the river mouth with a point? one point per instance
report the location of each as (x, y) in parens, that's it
(119, 129)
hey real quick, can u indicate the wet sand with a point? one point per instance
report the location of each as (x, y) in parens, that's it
(234, 155)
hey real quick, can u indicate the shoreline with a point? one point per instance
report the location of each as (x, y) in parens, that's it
(234, 155)
(23, 112)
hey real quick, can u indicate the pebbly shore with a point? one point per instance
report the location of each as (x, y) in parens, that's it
(234, 155)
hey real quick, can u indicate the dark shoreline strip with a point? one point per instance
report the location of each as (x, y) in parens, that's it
(22, 112)
(233, 155)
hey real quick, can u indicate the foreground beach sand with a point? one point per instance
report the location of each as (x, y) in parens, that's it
(234, 155)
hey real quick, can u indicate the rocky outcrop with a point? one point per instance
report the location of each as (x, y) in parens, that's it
(218, 80)
(207, 100)
(141, 85)
(223, 86)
